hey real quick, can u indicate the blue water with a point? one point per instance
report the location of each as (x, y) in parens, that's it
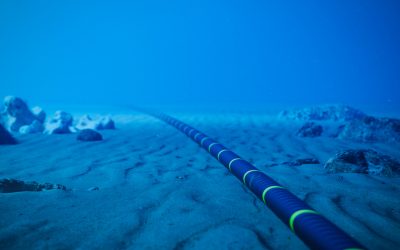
(232, 53)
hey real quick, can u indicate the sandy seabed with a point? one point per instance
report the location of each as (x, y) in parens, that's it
(160, 190)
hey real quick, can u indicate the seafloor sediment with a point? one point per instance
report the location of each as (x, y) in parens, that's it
(147, 186)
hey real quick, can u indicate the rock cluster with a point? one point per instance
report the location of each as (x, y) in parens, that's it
(323, 113)
(17, 117)
(364, 161)
(346, 123)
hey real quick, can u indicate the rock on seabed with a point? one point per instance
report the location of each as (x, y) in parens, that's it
(365, 161)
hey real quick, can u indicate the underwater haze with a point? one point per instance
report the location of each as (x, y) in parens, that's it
(199, 125)
(202, 53)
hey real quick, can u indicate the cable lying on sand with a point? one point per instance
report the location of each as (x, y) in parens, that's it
(311, 227)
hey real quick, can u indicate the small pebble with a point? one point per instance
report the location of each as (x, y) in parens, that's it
(93, 189)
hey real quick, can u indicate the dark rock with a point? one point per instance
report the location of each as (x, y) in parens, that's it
(365, 161)
(371, 129)
(12, 185)
(5, 137)
(89, 135)
(324, 113)
(310, 129)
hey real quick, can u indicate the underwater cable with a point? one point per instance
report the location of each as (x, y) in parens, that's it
(311, 227)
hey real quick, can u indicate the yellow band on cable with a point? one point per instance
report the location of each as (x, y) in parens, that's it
(297, 213)
(230, 163)
(220, 152)
(248, 172)
(195, 137)
(268, 189)
(211, 145)
(203, 140)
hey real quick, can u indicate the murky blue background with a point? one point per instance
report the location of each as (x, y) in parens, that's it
(240, 53)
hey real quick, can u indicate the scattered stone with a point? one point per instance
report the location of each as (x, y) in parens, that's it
(371, 129)
(35, 127)
(94, 189)
(89, 135)
(310, 129)
(12, 185)
(17, 112)
(365, 161)
(300, 162)
(86, 122)
(324, 113)
(5, 137)
(61, 123)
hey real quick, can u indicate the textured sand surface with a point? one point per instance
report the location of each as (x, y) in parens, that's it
(158, 189)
